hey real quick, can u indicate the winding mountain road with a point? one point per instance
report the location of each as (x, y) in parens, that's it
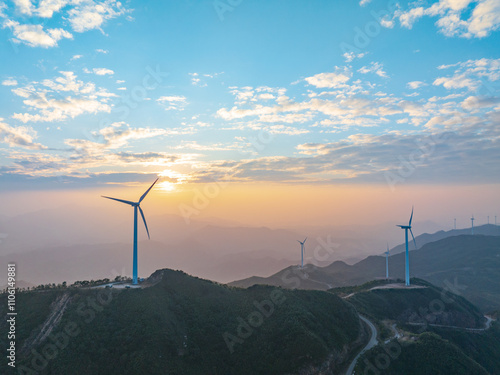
(373, 342)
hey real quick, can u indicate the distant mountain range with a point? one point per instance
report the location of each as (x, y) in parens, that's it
(423, 239)
(466, 265)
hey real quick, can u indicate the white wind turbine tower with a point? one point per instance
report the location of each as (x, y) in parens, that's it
(302, 252)
(407, 258)
(137, 206)
(472, 221)
(387, 263)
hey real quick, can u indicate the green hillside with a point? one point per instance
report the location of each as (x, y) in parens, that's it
(185, 325)
(428, 354)
(426, 304)
(437, 332)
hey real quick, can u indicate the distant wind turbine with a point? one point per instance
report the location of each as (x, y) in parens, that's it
(387, 263)
(472, 221)
(495, 219)
(455, 224)
(407, 259)
(488, 219)
(302, 252)
(136, 205)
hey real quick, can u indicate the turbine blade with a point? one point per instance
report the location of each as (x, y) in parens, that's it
(147, 191)
(411, 217)
(120, 200)
(299, 242)
(305, 240)
(144, 219)
(414, 242)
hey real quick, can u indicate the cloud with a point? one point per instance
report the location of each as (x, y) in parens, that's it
(374, 67)
(414, 85)
(89, 15)
(45, 9)
(471, 75)
(9, 82)
(76, 57)
(20, 136)
(199, 79)
(35, 35)
(173, 102)
(330, 80)
(104, 51)
(82, 15)
(103, 71)
(483, 17)
(350, 56)
(62, 97)
(364, 2)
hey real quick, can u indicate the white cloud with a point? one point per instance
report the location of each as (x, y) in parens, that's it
(199, 79)
(9, 82)
(387, 23)
(103, 71)
(62, 97)
(35, 35)
(89, 15)
(374, 67)
(483, 19)
(82, 15)
(76, 57)
(45, 9)
(414, 85)
(350, 56)
(330, 80)
(20, 136)
(364, 2)
(471, 75)
(104, 51)
(173, 102)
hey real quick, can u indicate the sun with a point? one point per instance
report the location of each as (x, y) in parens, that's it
(166, 186)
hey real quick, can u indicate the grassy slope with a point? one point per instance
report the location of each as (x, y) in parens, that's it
(430, 354)
(426, 305)
(177, 327)
(436, 350)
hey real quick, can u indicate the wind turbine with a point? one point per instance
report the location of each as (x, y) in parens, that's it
(136, 205)
(472, 221)
(488, 219)
(455, 224)
(387, 263)
(407, 259)
(495, 219)
(302, 252)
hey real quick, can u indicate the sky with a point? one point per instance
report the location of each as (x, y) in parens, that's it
(266, 104)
